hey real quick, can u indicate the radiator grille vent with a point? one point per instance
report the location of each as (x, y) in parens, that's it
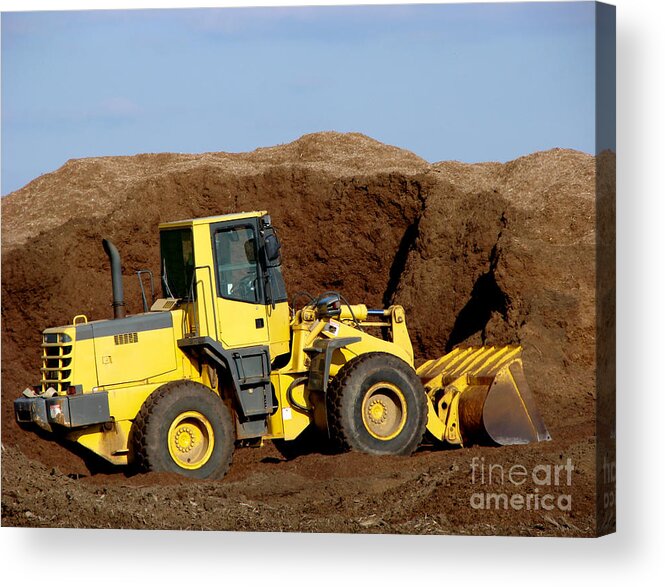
(56, 368)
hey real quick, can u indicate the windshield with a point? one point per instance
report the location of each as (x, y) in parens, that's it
(177, 252)
(237, 264)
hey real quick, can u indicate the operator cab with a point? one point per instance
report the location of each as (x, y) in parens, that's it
(227, 269)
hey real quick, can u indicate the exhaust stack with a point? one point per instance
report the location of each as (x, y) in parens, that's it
(116, 279)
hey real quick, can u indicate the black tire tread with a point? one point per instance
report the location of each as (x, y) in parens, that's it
(142, 447)
(342, 437)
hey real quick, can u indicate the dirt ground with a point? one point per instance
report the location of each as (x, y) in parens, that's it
(427, 493)
(483, 253)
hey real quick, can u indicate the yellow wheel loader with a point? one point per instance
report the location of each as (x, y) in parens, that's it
(222, 358)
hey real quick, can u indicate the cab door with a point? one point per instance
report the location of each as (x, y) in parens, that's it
(242, 314)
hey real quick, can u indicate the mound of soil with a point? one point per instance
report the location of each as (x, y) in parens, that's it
(505, 254)
(484, 253)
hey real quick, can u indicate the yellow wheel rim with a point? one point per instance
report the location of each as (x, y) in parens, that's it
(384, 411)
(191, 440)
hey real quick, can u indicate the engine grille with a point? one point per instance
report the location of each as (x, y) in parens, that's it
(56, 361)
(126, 338)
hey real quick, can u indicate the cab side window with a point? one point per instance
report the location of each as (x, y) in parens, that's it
(237, 264)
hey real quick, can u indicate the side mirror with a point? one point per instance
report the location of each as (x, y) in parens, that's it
(272, 246)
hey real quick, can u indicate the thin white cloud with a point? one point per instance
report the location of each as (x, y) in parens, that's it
(118, 107)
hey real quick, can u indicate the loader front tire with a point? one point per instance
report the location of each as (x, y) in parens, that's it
(184, 427)
(377, 404)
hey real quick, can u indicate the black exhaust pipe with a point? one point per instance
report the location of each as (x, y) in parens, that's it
(116, 279)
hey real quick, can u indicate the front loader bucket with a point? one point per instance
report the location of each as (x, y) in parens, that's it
(480, 395)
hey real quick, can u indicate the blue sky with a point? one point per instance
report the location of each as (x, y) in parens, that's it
(473, 82)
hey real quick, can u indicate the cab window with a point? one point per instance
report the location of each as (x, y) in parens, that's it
(237, 264)
(177, 252)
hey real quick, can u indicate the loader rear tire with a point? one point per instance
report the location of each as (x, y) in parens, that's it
(376, 404)
(184, 427)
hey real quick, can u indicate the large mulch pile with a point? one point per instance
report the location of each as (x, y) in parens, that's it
(477, 253)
